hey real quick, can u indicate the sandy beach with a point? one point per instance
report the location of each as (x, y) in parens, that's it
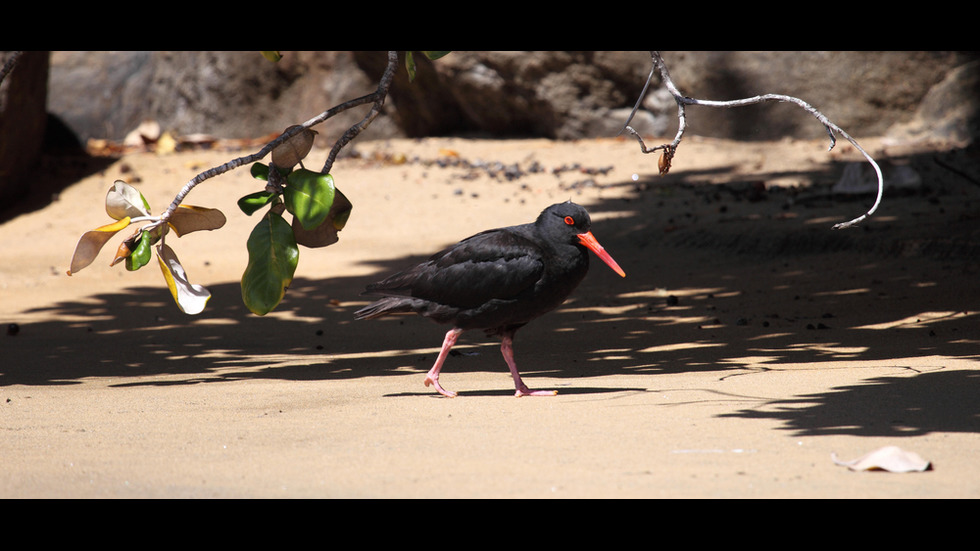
(748, 343)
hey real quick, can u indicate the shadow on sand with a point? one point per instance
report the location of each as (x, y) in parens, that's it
(738, 282)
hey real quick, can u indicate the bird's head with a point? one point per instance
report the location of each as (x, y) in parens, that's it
(573, 222)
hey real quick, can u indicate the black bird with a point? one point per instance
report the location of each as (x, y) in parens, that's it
(497, 280)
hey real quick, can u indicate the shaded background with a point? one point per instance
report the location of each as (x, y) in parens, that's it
(56, 102)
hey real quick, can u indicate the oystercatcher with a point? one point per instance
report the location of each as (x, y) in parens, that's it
(497, 280)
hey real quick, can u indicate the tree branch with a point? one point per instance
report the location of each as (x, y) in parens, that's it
(682, 101)
(9, 64)
(377, 98)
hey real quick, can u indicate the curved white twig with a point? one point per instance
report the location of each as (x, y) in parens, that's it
(681, 100)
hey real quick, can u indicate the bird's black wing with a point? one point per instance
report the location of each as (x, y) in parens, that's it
(495, 264)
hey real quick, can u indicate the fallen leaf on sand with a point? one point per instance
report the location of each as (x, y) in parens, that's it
(889, 458)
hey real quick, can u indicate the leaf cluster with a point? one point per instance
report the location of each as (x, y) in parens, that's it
(127, 205)
(319, 211)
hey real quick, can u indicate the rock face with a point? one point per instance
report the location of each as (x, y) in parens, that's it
(865, 93)
(22, 122)
(226, 94)
(561, 95)
(553, 94)
(951, 109)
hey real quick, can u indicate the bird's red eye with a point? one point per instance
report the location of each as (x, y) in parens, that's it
(569, 220)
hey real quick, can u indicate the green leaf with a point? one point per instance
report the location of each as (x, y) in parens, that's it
(272, 259)
(141, 254)
(259, 171)
(272, 56)
(254, 201)
(410, 65)
(435, 55)
(326, 233)
(309, 196)
(410, 60)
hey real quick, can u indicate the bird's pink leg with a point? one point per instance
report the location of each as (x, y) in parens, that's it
(507, 349)
(432, 377)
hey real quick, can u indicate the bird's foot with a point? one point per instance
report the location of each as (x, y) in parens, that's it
(434, 381)
(525, 391)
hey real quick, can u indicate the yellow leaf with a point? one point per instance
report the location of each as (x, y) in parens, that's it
(190, 298)
(166, 144)
(91, 243)
(115, 226)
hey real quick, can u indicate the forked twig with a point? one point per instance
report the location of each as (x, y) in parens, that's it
(682, 101)
(377, 98)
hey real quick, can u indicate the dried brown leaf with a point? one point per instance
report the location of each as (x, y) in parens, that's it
(289, 153)
(91, 242)
(326, 233)
(889, 458)
(187, 218)
(664, 163)
(124, 200)
(126, 248)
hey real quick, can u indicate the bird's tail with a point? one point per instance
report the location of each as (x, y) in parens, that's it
(383, 307)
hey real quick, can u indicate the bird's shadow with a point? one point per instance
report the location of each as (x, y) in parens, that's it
(561, 391)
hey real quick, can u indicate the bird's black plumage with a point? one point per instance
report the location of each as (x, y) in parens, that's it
(497, 280)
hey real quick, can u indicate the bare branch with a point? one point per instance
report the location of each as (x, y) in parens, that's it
(379, 99)
(682, 101)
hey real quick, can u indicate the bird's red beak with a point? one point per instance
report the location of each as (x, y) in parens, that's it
(590, 241)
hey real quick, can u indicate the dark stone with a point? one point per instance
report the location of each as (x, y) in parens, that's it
(553, 94)
(23, 95)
